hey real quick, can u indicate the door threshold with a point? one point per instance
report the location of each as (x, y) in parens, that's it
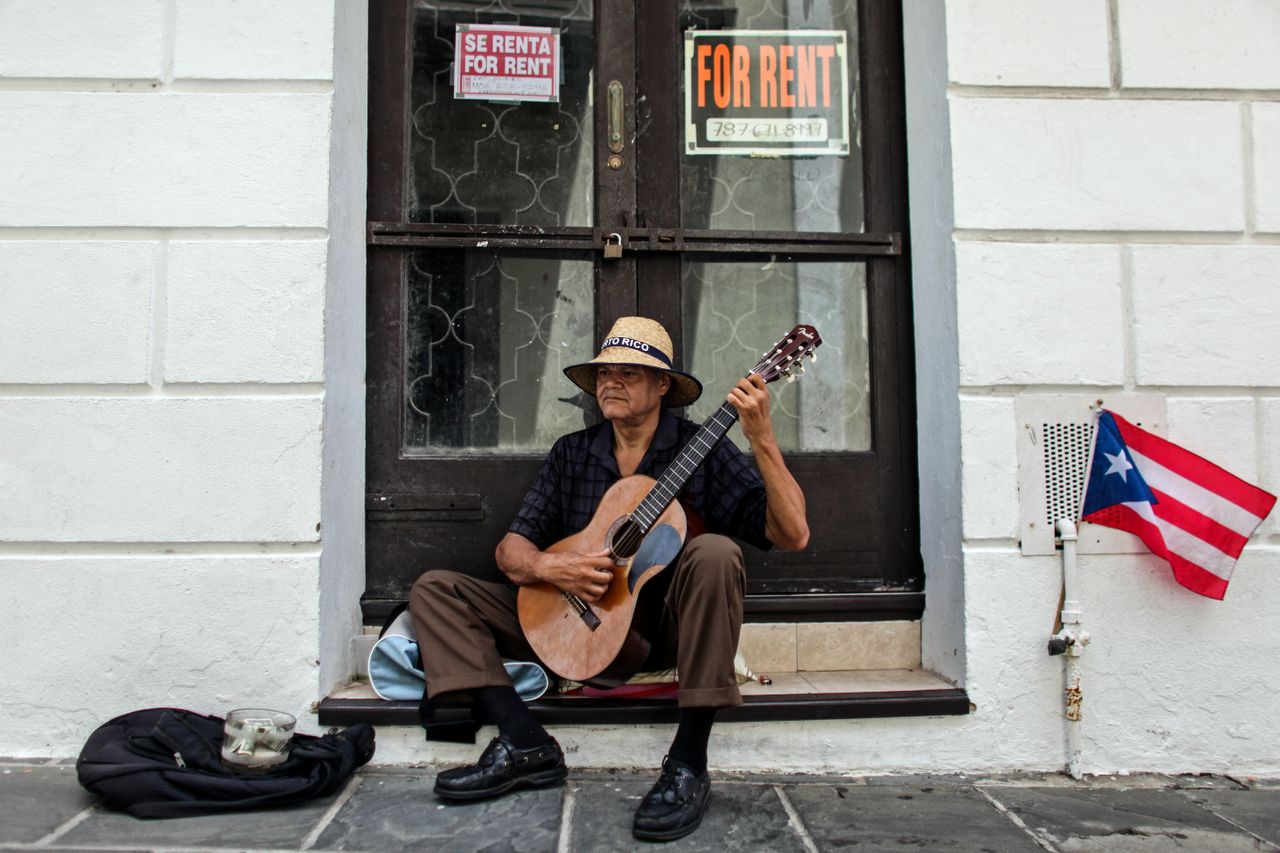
(850, 694)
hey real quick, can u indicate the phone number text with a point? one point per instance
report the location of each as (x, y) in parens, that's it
(766, 130)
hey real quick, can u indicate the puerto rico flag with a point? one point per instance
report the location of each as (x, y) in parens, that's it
(1184, 508)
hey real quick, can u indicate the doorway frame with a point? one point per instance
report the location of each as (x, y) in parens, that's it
(888, 280)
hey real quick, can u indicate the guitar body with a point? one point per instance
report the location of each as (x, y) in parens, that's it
(613, 651)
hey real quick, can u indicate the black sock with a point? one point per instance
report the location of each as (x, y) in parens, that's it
(690, 744)
(503, 707)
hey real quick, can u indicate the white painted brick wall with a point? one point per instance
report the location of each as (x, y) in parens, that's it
(165, 217)
(81, 38)
(1183, 159)
(254, 39)
(1028, 43)
(160, 470)
(98, 636)
(1173, 679)
(1269, 463)
(1266, 154)
(989, 467)
(171, 160)
(1016, 687)
(1206, 315)
(75, 312)
(1193, 44)
(245, 311)
(1097, 164)
(1039, 314)
(1223, 429)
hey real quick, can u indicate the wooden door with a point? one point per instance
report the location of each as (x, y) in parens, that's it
(487, 276)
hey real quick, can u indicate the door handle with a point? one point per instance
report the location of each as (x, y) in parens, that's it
(616, 106)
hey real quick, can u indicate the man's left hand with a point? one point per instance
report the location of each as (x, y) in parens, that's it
(784, 521)
(751, 398)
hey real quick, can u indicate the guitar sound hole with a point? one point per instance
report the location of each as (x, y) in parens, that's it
(626, 539)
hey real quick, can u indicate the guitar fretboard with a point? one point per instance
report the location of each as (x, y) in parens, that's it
(683, 466)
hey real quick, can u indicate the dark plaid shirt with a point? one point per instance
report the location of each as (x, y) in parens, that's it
(725, 490)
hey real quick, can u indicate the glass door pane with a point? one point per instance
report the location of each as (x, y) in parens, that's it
(486, 333)
(735, 310)
(490, 162)
(486, 337)
(822, 193)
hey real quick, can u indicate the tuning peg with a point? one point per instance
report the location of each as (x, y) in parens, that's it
(800, 367)
(791, 377)
(813, 355)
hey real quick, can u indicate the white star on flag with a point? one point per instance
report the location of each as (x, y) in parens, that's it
(1120, 464)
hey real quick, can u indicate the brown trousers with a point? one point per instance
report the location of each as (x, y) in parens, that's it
(466, 626)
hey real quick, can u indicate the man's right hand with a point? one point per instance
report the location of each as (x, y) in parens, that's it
(585, 575)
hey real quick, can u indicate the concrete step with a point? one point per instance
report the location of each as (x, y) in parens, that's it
(785, 647)
(847, 694)
(819, 671)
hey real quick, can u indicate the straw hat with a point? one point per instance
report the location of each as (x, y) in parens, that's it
(642, 342)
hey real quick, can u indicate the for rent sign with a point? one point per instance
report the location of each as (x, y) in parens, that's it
(772, 92)
(496, 62)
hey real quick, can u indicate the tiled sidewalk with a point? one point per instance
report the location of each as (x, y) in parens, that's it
(385, 809)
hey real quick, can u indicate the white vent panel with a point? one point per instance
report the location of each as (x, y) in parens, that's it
(1055, 434)
(1066, 456)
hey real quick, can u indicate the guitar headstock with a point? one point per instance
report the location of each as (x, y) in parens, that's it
(785, 359)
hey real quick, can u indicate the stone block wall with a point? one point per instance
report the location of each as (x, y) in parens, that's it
(1116, 230)
(166, 265)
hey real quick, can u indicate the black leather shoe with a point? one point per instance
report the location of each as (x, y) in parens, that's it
(674, 805)
(503, 768)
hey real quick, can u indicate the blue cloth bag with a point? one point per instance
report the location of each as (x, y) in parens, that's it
(395, 666)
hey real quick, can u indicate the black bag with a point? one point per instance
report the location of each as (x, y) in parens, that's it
(165, 762)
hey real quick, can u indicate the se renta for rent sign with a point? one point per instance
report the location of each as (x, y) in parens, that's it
(496, 62)
(766, 92)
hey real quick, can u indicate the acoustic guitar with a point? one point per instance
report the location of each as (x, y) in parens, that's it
(643, 525)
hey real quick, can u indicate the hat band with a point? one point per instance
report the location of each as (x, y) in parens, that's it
(639, 346)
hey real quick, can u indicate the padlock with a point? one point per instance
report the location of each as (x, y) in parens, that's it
(612, 249)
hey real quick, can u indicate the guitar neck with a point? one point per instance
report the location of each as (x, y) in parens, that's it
(683, 466)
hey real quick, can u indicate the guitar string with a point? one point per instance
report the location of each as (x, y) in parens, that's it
(702, 442)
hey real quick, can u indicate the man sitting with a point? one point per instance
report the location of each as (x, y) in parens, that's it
(466, 626)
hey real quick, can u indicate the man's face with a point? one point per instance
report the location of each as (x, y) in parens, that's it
(628, 393)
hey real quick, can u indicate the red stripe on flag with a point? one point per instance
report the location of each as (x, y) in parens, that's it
(1199, 525)
(1197, 469)
(1197, 579)
(1185, 572)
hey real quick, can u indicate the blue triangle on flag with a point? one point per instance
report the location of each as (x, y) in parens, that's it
(1113, 477)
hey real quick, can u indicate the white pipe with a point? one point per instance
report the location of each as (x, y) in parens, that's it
(1070, 604)
(1076, 639)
